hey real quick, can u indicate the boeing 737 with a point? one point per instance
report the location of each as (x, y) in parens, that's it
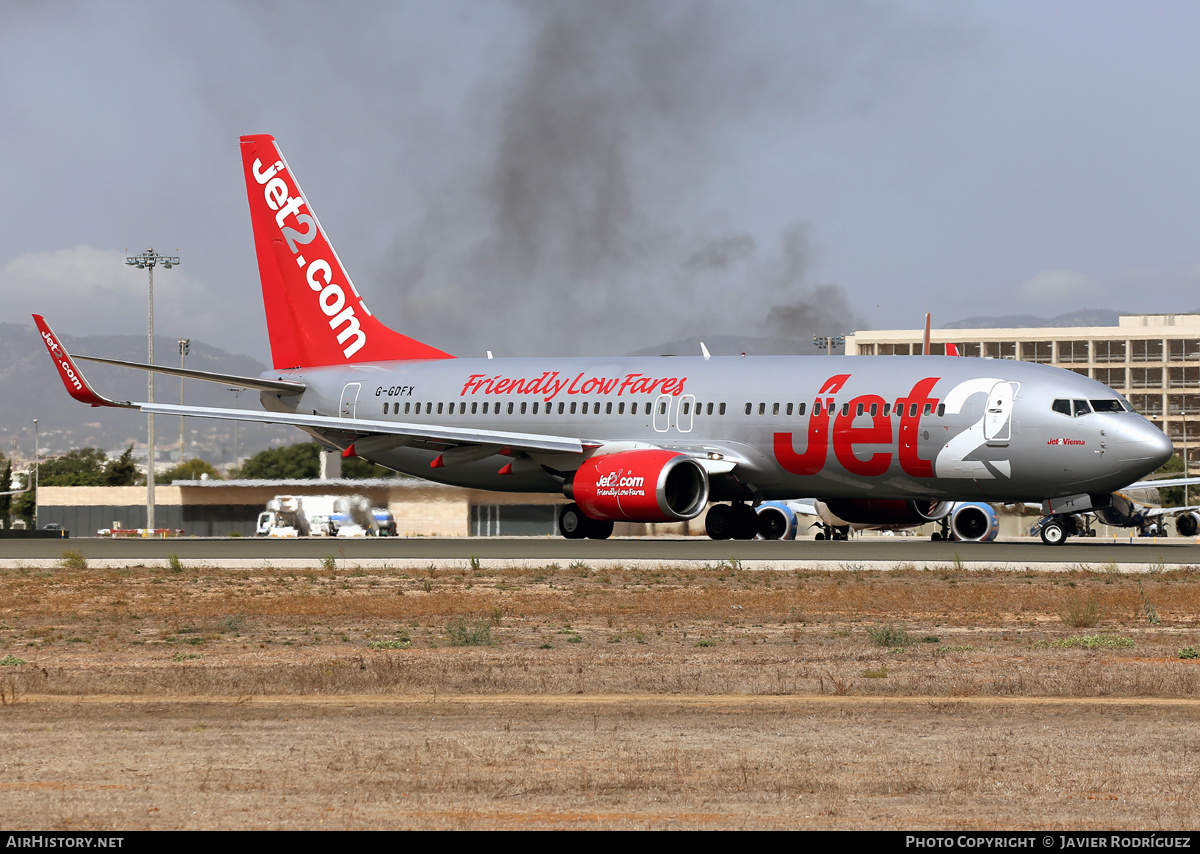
(888, 438)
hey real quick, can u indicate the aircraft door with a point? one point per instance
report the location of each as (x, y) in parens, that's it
(997, 422)
(685, 412)
(662, 413)
(350, 399)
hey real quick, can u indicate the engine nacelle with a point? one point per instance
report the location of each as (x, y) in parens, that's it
(650, 485)
(973, 522)
(776, 521)
(887, 512)
(1186, 524)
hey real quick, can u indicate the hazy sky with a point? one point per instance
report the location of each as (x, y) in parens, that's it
(595, 177)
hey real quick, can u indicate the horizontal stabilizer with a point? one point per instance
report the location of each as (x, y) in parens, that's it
(256, 383)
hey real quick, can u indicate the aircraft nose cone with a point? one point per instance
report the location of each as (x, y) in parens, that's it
(1143, 446)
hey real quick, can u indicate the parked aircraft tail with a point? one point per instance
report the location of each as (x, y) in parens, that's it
(315, 315)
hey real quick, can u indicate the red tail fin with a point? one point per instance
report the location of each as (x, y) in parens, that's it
(314, 313)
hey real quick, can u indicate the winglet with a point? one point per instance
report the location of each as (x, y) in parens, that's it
(77, 386)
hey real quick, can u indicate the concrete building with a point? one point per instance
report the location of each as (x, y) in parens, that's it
(222, 508)
(1153, 360)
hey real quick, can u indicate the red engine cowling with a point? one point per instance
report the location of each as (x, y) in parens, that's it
(876, 511)
(649, 485)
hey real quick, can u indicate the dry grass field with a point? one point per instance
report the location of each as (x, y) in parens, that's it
(574, 696)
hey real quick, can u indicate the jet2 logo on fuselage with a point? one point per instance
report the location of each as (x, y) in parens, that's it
(849, 441)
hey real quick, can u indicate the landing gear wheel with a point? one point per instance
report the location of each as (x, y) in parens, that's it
(745, 522)
(599, 529)
(1054, 534)
(572, 523)
(718, 522)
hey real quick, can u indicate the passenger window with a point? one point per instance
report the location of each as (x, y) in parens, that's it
(749, 406)
(633, 408)
(572, 407)
(845, 409)
(596, 408)
(560, 407)
(406, 408)
(941, 409)
(775, 409)
(722, 409)
(462, 408)
(522, 407)
(928, 408)
(662, 408)
(607, 408)
(535, 407)
(860, 410)
(912, 410)
(874, 409)
(887, 409)
(510, 409)
(385, 409)
(429, 408)
(800, 409)
(485, 407)
(620, 409)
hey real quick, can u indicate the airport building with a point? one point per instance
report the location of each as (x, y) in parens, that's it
(1153, 360)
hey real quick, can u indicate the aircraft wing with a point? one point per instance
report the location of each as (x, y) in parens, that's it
(1172, 481)
(79, 388)
(427, 432)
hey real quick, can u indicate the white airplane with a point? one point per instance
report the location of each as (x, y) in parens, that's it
(964, 521)
(657, 439)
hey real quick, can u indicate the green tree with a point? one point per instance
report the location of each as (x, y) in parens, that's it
(80, 467)
(6, 501)
(191, 470)
(1172, 496)
(122, 471)
(302, 460)
(294, 462)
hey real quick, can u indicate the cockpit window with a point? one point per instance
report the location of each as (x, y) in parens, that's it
(1107, 406)
(1063, 406)
(1081, 407)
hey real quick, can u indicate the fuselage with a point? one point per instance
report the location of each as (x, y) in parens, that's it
(829, 427)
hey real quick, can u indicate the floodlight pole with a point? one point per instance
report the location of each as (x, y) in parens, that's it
(147, 261)
(35, 473)
(829, 342)
(185, 346)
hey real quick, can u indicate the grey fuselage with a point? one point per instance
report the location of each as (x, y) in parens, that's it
(930, 427)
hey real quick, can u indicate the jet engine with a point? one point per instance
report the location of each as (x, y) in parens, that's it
(884, 512)
(973, 522)
(650, 485)
(776, 521)
(1186, 524)
(1124, 512)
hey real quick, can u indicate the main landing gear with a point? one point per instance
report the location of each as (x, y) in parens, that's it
(574, 525)
(737, 521)
(831, 532)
